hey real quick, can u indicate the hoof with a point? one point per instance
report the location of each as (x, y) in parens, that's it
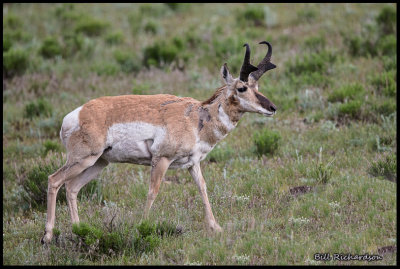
(46, 238)
(216, 228)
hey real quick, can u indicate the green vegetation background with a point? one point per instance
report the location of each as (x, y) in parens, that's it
(318, 177)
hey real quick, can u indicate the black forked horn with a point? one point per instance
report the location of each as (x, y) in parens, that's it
(265, 64)
(247, 67)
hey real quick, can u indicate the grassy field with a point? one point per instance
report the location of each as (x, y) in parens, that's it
(318, 177)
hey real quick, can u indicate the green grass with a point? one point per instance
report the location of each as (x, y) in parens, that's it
(335, 132)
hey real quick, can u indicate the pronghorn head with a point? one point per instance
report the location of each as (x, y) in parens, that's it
(244, 90)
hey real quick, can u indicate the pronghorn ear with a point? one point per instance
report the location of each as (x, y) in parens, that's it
(226, 75)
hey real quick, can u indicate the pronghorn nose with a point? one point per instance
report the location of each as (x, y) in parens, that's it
(272, 108)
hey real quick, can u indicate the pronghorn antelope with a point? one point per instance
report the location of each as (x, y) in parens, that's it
(163, 131)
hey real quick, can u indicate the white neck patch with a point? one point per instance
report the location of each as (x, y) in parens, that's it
(224, 118)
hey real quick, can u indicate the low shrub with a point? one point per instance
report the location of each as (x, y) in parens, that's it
(251, 15)
(15, 61)
(50, 145)
(385, 166)
(36, 182)
(311, 69)
(266, 142)
(149, 235)
(354, 45)
(385, 83)
(227, 47)
(313, 62)
(151, 10)
(141, 88)
(374, 39)
(162, 52)
(73, 42)
(385, 108)
(387, 45)
(307, 15)
(352, 109)
(89, 234)
(38, 108)
(346, 92)
(151, 27)
(7, 42)
(380, 143)
(67, 14)
(127, 61)
(314, 43)
(387, 19)
(91, 26)
(177, 6)
(361, 46)
(146, 237)
(12, 21)
(320, 171)
(50, 48)
(115, 38)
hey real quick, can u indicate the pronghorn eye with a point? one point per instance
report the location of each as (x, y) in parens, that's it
(243, 89)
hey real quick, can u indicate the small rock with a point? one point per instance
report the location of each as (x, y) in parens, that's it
(295, 191)
(387, 250)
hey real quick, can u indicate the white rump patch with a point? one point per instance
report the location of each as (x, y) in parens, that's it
(224, 118)
(70, 124)
(134, 142)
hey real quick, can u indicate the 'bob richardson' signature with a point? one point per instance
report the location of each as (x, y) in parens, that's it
(346, 257)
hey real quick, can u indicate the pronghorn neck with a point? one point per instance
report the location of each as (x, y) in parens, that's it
(227, 108)
(224, 114)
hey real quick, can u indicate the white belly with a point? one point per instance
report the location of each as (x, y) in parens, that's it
(134, 142)
(137, 142)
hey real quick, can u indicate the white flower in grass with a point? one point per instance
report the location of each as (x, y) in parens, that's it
(301, 220)
(193, 263)
(242, 198)
(242, 258)
(334, 204)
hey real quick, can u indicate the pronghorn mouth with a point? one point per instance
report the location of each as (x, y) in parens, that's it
(268, 114)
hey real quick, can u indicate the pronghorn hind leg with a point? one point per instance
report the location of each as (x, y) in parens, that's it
(195, 171)
(158, 169)
(74, 185)
(71, 169)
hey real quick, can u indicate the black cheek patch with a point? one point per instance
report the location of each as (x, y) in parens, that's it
(265, 103)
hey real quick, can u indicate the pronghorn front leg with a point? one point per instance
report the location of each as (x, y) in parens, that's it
(195, 171)
(158, 168)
